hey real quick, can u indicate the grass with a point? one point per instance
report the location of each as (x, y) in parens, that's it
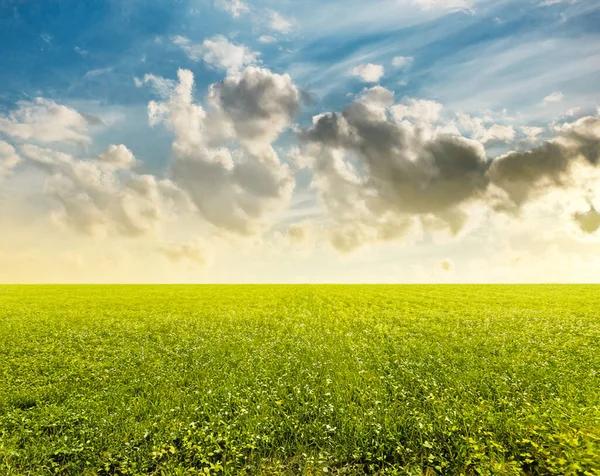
(182, 380)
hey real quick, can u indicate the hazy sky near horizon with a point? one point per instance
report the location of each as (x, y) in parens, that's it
(300, 141)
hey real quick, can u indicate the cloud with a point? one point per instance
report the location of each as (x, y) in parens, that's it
(162, 86)
(554, 97)
(589, 222)
(422, 110)
(101, 195)
(267, 39)
(403, 62)
(94, 73)
(375, 173)
(279, 23)
(547, 3)
(368, 73)
(223, 156)
(458, 5)
(447, 265)
(532, 132)
(44, 121)
(299, 233)
(233, 7)
(118, 156)
(526, 175)
(195, 251)
(476, 127)
(218, 52)
(8, 159)
(382, 173)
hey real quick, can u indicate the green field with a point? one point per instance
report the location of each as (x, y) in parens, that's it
(412, 380)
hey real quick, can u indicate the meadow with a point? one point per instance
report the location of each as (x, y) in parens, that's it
(402, 380)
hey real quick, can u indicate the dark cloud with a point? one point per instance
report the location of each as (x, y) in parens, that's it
(589, 222)
(525, 175)
(374, 168)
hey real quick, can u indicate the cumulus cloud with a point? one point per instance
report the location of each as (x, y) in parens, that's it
(368, 73)
(381, 170)
(478, 130)
(554, 97)
(118, 156)
(525, 175)
(233, 7)
(422, 110)
(279, 23)
(531, 132)
(223, 156)
(375, 173)
(42, 120)
(100, 195)
(218, 52)
(8, 159)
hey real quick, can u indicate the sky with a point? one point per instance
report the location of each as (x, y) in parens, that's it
(262, 141)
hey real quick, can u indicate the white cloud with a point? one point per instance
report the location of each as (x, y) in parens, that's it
(403, 62)
(497, 132)
(572, 112)
(97, 72)
(460, 5)
(476, 127)
(161, 85)
(102, 195)
(234, 7)
(267, 39)
(532, 132)
(368, 73)
(223, 157)
(423, 111)
(119, 156)
(554, 97)
(547, 3)
(279, 23)
(218, 52)
(8, 159)
(42, 120)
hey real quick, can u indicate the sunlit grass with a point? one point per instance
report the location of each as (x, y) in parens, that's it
(299, 379)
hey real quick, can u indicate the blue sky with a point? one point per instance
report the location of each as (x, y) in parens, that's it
(71, 50)
(496, 69)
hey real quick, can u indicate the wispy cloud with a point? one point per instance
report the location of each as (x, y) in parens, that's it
(280, 23)
(554, 97)
(235, 7)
